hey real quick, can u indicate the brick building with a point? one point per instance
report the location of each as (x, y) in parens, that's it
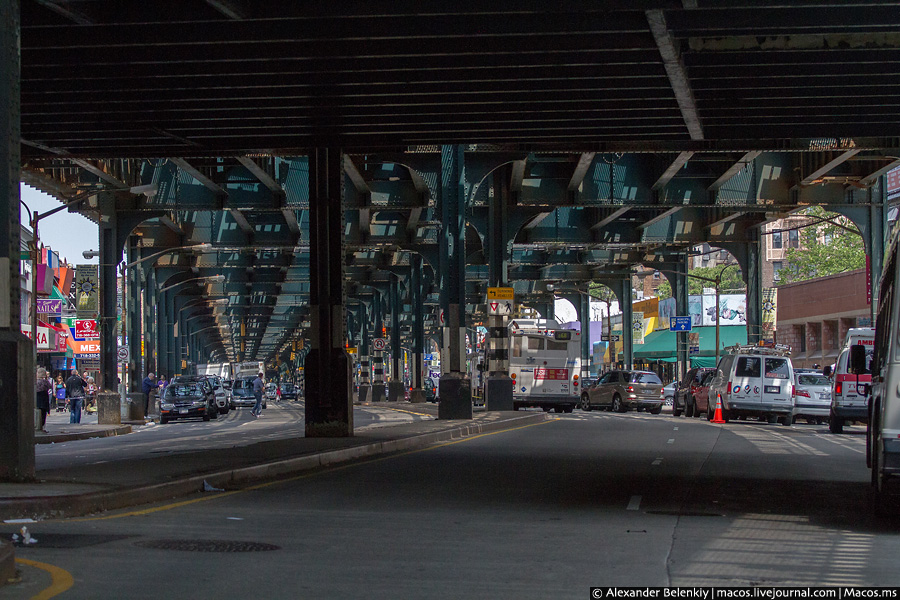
(813, 316)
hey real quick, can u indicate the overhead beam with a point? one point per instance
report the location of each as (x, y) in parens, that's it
(518, 175)
(196, 174)
(660, 217)
(261, 174)
(824, 169)
(681, 87)
(66, 11)
(172, 225)
(725, 219)
(733, 170)
(89, 167)
(356, 178)
(233, 9)
(291, 219)
(871, 177)
(610, 218)
(241, 220)
(584, 163)
(678, 163)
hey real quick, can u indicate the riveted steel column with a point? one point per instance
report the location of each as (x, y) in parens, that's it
(133, 290)
(417, 394)
(585, 317)
(17, 367)
(623, 292)
(151, 322)
(329, 401)
(365, 387)
(681, 292)
(378, 355)
(499, 386)
(754, 287)
(455, 393)
(395, 385)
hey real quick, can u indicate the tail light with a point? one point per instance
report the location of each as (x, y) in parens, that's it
(839, 388)
(575, 383)
(728, 390)
(513, 376)
(803, 393)
(630, 388)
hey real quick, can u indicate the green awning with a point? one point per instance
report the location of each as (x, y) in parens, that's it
(661, 345)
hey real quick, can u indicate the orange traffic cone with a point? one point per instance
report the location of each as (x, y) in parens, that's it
(717, 416)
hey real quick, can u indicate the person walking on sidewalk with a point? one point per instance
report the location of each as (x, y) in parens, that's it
(258, 387)
(42, 388)
(75, 392)
(148, 385)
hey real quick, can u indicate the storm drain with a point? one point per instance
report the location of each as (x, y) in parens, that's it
(207, 545)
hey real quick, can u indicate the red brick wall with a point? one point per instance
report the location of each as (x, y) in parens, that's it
(827, 295)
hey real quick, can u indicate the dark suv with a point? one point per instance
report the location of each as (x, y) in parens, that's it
(686, 388)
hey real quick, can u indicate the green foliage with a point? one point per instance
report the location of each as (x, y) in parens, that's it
(704, 277)
(826, 248)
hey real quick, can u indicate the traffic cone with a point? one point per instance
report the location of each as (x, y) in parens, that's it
(717, 416)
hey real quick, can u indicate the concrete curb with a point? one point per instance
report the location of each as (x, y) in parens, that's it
(59, 438)
(93, 502)
(7, 562)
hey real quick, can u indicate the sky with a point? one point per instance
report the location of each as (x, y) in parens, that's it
(67, 233)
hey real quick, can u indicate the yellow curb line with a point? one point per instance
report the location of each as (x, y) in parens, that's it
(62, 579)
(147, 511)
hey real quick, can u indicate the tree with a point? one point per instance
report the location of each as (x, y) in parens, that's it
(831, 244)
(731, 282)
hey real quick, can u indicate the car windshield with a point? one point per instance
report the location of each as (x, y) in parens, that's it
(645, 378)
(287, 387)
(183, 389)
(812, 380)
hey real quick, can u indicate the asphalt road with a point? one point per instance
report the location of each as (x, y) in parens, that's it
(545, 511)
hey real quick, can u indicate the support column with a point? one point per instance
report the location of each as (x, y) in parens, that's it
(151, 324)
(329, 401)
(109, 411)
(417, 393)
(17, 366)
(365, 387)
(498, 389)
(396, 387)
(676, 274)
(585, 316)
(133, 290)
(378, 355)
(623, 292)
(455, 392)
(754, 287)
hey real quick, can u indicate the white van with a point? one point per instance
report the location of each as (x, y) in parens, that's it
(754, 381)
(848, 398)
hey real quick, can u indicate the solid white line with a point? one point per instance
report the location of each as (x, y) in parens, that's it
(634, 503)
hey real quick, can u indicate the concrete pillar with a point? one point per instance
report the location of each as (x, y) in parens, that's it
(498, 389)
(396, 387)
(455, 391)
(329, 401)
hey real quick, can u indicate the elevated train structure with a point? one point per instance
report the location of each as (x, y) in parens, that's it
(362, 170)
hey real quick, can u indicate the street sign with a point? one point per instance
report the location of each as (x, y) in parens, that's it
(86, 329)
(122, 354)
(499, 307)
(379, 343)
(679, 323)
(694, 350)
(500, 293)
(609, 338)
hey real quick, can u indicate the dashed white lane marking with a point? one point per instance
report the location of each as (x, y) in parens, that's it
(671, 441)
(634, 503)
(656, 462)
(674, 429)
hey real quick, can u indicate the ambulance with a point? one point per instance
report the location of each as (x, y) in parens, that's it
(848, 394)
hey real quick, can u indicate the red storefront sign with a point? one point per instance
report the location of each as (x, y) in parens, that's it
(551, 374)
(86, 329)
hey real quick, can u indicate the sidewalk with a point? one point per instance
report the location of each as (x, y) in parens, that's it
(60, 430)
(85, 489)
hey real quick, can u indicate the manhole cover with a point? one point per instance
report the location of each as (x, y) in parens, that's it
(207, 545)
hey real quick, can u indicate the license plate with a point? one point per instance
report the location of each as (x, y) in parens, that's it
(825, 396)
(182, 411)
(773, 389)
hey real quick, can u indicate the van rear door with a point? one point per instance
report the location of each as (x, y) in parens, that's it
(777, 383)
(746, 389)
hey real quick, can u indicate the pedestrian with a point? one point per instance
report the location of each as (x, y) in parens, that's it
(258, 387)
(90, 403)
(162, 384)
(147, 386)
(42, 388)
(75, 392)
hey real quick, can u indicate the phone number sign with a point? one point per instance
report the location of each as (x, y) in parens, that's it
(551, 374)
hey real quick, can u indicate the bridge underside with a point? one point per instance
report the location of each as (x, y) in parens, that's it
(345, 164)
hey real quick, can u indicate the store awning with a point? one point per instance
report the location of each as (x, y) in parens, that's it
(661, 345)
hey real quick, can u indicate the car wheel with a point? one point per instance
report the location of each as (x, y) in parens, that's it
(787, 420)
(214, 413)
(656, 410)
(836, 424)
(689, 409)
(697, 411)
(568, 409)
(206, 416)
(585, 402)
(617, 404)
(163, 420)
(675, 412)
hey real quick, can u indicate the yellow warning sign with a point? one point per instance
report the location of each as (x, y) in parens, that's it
(500, 293)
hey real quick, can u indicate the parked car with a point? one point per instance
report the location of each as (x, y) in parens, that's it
(205, 383)
(430, 388)
(623, 390)
(288, 391)
(755, 381)
(812, 396)
(686, 388)
(221, 394)
(669, 393)
(699, 402)
(270, 392)
(185, 400)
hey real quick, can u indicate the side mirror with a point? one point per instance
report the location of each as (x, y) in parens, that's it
(827, 371)
(857, 359)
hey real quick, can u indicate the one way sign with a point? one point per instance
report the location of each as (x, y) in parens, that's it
(500, 307)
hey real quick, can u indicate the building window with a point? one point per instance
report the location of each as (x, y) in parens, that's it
(776, 239)
(793, 238)
(801, 330)
(655, 274)
(777, 265)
